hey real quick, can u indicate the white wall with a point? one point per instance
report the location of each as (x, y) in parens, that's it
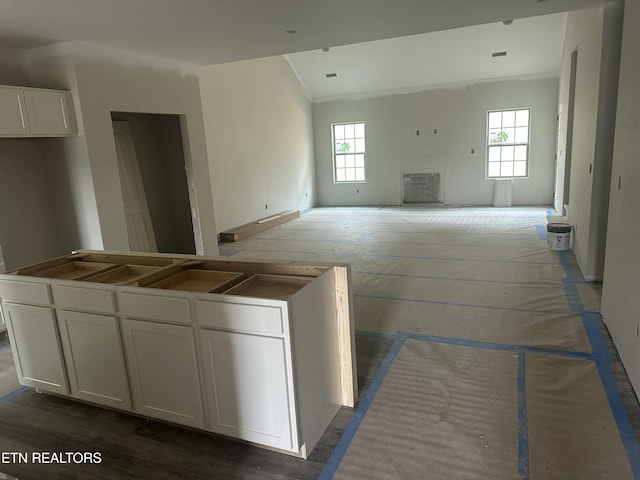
(259, 139)
(595, 34)
(12, 67)
(27, 228)
(620, 299)
(69, 171)
(105, 80)
(459, 115)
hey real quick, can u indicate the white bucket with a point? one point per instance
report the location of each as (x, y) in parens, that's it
(558, 236)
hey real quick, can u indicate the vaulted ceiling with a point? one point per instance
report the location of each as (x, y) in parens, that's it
(205, 32)
(528, 47)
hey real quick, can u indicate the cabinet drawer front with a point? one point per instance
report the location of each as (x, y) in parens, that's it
(80, 298)
(25, 292)
(154, 307)
(240, 317)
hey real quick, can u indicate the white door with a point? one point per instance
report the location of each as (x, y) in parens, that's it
(139, 227)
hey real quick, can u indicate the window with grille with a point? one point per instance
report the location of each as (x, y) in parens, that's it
(508, 143)
(348, 152)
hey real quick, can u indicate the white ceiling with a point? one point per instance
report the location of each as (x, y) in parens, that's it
(533, 46)
(205, 32)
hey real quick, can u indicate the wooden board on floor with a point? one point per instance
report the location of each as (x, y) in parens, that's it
(257, 226)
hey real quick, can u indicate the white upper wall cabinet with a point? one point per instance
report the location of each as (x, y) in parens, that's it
(35, 112)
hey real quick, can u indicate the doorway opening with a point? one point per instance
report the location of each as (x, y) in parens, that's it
(154, 179)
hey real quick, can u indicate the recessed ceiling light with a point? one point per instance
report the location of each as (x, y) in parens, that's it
(499, 54)
(330, 75)
(325, 49)
(507, 22)
(289, 31)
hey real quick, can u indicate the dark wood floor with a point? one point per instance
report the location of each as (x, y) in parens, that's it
(134, 448)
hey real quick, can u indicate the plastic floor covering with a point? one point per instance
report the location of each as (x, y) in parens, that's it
(498, 369)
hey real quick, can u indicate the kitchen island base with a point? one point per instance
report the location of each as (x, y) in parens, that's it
(257, 351)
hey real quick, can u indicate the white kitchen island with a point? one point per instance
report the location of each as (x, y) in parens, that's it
(258, 351)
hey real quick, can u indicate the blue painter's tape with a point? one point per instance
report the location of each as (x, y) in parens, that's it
(602, 358)
(298, 228)
(541, 230)
(549, 212)
(523, 420)
(13, 394)
(231, 253)
(365, 333)
(603, 362)
(437, 302)
(570, 289)
(408, 257)
(431, 221)
(340, 450)
(573, 296)
(564, 261)
(499, 346)
(369, 234)
(433, 277)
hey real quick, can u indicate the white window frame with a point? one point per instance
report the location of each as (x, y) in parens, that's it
(348, 165)
(507, 144)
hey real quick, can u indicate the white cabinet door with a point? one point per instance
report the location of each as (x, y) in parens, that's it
(246, 382)
(36, 348)
(94, 358)
(49, 111)
(164, 371)
(13, 114)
